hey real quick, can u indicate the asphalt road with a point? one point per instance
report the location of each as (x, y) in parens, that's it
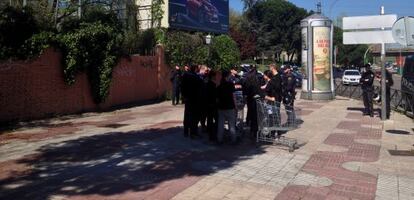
(396, 78)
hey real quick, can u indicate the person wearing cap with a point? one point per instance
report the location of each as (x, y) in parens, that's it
(289, 93)
(367, 81)
(235, 78)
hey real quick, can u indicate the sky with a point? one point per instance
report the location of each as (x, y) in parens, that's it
(335, 8)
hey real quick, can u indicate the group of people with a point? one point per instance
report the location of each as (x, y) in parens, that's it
(367, 81)
(212, 104)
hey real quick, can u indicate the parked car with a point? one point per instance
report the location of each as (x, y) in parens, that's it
(351, 77)
(202, 10)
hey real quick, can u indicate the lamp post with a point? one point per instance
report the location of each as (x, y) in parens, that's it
(208, 42)
(365, 54)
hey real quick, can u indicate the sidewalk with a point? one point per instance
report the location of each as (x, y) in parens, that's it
(140, 153)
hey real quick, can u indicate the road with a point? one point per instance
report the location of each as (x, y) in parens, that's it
(396, 78)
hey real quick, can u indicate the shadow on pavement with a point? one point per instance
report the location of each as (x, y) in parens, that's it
(362, 109)
(398, 132)
(115, 163)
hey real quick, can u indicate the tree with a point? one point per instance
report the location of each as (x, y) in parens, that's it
(224, 52)
(16, 26)
(245, 40)
(249, 3)
(348, 54)
(184, 48)
(276, 24)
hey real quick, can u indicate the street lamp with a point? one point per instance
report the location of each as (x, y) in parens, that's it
(208, 42)
(208, 39)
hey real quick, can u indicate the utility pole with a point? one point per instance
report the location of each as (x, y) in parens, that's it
(383, 78)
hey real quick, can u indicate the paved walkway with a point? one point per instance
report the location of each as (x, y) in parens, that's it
(140, 153)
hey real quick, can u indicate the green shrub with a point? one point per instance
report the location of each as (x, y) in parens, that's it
(225, 52)
(92, 48)
(38, 42)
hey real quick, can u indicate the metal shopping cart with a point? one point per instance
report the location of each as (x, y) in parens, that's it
(273, 119)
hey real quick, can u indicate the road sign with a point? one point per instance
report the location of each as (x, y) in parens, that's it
(403, 31)
(369, 22)
(368, 29)
(368, 37)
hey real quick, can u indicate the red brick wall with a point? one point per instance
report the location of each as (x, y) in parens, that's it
(36, 89)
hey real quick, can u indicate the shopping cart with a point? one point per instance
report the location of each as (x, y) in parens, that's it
(273, 119)
(240, 102)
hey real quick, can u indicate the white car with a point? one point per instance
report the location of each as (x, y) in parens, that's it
(351, 77)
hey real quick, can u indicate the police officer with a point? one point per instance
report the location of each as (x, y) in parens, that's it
(288, 92)
(366, 81)
(176, 83)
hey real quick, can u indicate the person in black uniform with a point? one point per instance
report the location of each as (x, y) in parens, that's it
(289, 93)
(251, 88)
(191, 89)
(176, 83)
(211, 106)
(367, 80)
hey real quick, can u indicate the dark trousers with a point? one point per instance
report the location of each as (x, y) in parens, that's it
(191, 119)
(212, 117)
(252, 116)
(290, 111)
(388, 102)
(175, 95)
(367, 95)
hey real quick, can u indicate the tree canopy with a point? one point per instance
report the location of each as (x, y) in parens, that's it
(348, 54)
(276, 23)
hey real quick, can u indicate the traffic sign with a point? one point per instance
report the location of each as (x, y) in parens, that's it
(403, 31)
(373, 29)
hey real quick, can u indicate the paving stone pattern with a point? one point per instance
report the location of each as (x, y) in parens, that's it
(140, 153)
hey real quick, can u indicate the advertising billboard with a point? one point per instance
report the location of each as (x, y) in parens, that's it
(199, 15)
(321, 59)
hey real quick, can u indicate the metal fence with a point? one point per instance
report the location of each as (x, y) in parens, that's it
(401, 101)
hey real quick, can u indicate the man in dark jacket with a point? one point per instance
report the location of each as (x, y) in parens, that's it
(274, 93)
(367, 80)
(211, 106)
(288, 93)
(251, 88)
(226, 107)
(176, 84)
(191, 90)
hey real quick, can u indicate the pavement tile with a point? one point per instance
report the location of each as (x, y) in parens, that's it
(139, 153)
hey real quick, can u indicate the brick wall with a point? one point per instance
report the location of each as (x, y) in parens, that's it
(36, 89)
